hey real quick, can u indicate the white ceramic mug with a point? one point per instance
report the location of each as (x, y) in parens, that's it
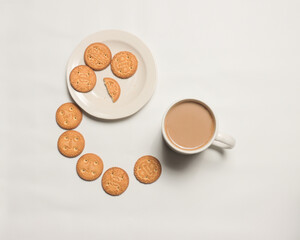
(219, 139)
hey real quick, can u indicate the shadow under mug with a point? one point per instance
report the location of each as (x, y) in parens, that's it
(218, 139)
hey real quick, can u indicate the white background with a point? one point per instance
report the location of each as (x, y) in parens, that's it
(243, 57)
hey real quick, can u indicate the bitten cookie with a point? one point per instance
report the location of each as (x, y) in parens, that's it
(97, 56)
(83, 78)
(68, 116)
(124, 64)
(113, 88)
(89, 166)
(115, 181)
(70, 143)
(147, 169)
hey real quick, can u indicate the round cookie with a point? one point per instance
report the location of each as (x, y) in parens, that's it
(124, 64)
(89, 166)
(115, 181)
(68, 116)
(97, 56)
(83, 78)
(70, 143)
(113, 88)
(147, 169)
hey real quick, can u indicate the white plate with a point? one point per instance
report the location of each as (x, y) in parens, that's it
(136, 91)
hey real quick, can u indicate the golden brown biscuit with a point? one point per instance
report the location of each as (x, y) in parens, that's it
(97, 56)
(124, 64)
(113, 88)
(68, 116)
(115, 181)
(70, 143)
(89, 166)
(83, 78)
(147, 169)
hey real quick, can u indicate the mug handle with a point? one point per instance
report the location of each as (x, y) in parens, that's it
(223, 140)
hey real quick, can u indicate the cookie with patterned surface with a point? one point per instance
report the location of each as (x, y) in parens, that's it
(97, 56)
(147, 169)
(113, 88)
(124, 64)
(83, 78)
(115, 181)
(89, 166)
(68, 116)
(71, 143)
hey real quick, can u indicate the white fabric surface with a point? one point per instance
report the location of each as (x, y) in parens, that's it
(241, 56)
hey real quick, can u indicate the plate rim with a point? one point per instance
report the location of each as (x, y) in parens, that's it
(150, 92)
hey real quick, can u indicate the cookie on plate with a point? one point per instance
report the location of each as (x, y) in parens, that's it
(115, 181)
(68, 116)
(83, 78)
(70, 143)
(113, 88)
(89, 166)
(97, 56)
(124, 64)
(147, 169)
